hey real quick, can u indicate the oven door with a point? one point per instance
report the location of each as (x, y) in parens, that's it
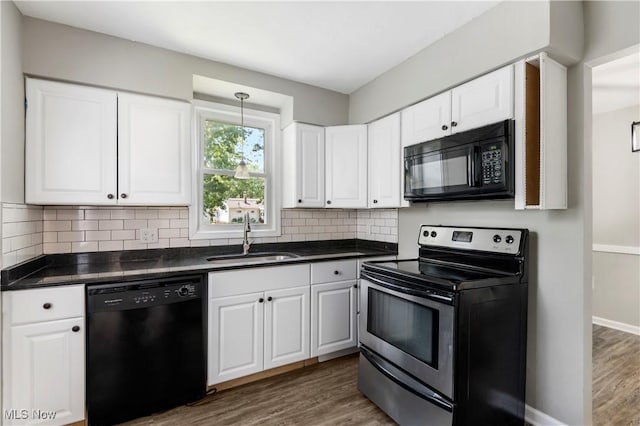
(415, 333)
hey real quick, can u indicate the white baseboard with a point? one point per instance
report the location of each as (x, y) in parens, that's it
(607, 248)
(538, 418)
(627, 328)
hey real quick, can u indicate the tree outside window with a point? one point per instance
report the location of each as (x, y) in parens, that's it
(226, 199)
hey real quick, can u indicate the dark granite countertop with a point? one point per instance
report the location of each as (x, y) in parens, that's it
(118, 266)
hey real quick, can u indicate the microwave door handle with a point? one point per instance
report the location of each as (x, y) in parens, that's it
(472, 166)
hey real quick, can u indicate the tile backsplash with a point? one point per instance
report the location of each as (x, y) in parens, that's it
(21, 233)
(29, 231)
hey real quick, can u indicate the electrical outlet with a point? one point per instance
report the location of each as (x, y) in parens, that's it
(149, 235)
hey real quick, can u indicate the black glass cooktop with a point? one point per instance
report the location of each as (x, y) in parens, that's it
(448, 275)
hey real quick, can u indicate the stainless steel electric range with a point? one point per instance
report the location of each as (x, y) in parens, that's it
(443, 337)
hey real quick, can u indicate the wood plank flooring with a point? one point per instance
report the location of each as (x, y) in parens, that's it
(326, 394)
(616, 377)
(323, 394)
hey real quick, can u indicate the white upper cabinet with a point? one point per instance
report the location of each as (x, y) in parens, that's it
(303, 166)
(71, 144)
(346, 166)
(153, 151)
(384, 150)
(429, 119)
(88, 146)
(485, 100)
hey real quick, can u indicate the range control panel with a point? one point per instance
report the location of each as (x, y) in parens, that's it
(496, 240)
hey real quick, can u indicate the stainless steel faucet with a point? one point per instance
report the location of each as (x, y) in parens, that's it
(246, 244)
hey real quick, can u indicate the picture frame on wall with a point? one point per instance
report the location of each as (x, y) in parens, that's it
(635, 136)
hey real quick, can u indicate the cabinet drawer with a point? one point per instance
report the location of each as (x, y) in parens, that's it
(252, 280)
(340, 270)
(46, 304)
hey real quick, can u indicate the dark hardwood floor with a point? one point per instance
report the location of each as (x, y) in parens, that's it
(322, 394)
(616, 377)
(326, 394)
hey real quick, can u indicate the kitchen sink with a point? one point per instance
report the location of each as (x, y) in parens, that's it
(246, 259)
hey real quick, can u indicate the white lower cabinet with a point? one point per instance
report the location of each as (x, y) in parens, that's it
(333, 317)
(265, 328)
(333, 306)
(44, 356)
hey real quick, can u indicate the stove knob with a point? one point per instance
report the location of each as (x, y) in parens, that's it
(425, 234)
(434, 234)
(496, 238)
(183, 291)
(509, 239)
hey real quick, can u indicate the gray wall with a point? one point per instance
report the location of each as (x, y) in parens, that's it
(12, 143)
(616, 217)
(559, 353)
(505, 32)
(66, 53)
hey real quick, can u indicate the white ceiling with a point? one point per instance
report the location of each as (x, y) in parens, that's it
(336, 45)
(616, 84)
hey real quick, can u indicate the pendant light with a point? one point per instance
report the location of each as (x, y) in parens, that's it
(242, 171)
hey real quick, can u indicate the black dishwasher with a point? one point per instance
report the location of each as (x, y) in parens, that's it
(146, 349)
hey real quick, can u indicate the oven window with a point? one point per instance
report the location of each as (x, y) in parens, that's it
(409, 326)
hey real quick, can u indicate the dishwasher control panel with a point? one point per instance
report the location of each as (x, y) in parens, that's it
(116, 297)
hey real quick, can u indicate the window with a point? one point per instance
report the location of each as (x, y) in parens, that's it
(222, 201)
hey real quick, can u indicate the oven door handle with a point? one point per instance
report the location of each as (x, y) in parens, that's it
(404, 380)
(389, 285)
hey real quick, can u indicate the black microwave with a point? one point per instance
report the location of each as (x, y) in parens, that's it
(476, 164)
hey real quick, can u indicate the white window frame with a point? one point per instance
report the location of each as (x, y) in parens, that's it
(268, 121)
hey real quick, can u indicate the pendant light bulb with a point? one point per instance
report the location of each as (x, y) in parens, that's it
(242, 171)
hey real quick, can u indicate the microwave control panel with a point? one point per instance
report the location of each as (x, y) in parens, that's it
(492, 164)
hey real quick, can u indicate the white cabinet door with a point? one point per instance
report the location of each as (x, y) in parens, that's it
(427, 120)
(384, 162)
(46, 375)
(235, 337)
(70, 152)
(153, 151)
(286, 333)
(303, 166)
(346, 166)
(333, 317)
(485, 100)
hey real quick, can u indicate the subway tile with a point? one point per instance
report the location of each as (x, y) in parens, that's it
(123, 214)
(20, 242)
(159, 223)
(36, 239)
(127, 234)
(199, 243)
(305, 214)
(97, 235)
(70, 236)
(84, 225)
(58, 225)
(110, 245)
(147, 214)
(9, 259)
(51, 248)
(49, 237)
(70, 215)
(104, 225)
(184, 213)
(161, 243)
(219, 242)
(179, 223)
(179, 242)
(97, 214)
(49, 214)
(169, 214)
(298, 222)
(312, 222)
(184, 232)
(134, 245)
(82, 246)
(6, 245)
(136, 224)
(169, 233)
